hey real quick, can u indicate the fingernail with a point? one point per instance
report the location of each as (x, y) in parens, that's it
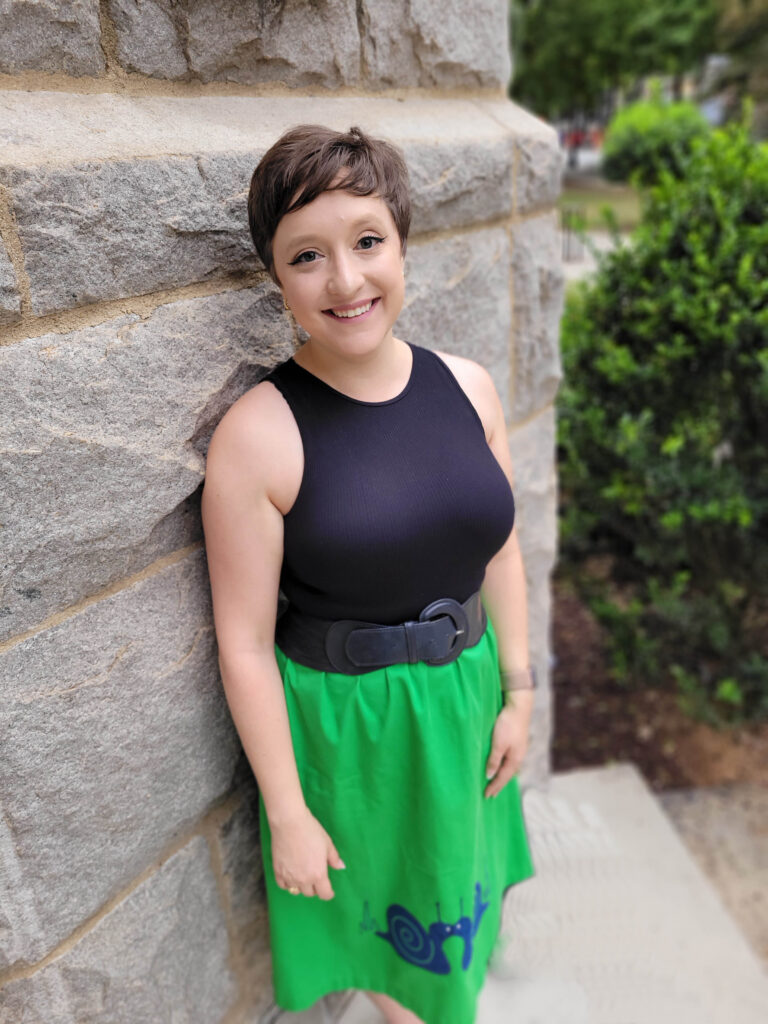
(489, 774)
(343, 865)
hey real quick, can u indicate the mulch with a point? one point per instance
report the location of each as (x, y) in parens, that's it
(597, 721)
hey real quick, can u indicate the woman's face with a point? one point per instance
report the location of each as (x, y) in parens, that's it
(340, 265)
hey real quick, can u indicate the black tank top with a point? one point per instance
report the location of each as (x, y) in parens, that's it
(401, 502)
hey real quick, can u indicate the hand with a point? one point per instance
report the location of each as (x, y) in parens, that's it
(302, 852)
(508, 747)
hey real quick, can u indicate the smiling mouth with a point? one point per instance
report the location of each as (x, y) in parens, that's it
(353, 313)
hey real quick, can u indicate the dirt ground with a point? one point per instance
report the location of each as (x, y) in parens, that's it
(597, 721)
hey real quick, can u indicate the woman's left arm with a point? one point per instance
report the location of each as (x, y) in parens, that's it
(504, 596)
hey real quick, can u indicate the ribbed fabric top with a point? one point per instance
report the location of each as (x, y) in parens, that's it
(401, 502)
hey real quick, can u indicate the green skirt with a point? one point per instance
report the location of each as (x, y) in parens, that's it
(392, 764)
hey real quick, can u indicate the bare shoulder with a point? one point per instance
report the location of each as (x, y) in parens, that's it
(256, 447)
(477, 384)
(252, 475)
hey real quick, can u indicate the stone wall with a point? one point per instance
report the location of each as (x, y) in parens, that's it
(133, 311)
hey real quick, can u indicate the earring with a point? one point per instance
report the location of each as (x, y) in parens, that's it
(286, 305)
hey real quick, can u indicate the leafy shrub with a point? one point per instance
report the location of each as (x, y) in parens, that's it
(663, 433)
(650, 135)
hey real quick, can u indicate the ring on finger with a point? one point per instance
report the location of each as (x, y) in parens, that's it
(294, 890)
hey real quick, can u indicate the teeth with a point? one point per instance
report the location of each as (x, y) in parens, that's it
(354, 312)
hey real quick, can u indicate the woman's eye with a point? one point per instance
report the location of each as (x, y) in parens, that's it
(305, 257)
(370, 241)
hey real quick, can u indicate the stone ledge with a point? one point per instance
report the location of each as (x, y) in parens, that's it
(116, 196)
(540, 160)
(54, 128)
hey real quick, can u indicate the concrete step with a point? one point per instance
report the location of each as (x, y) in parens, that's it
(621, 912)
(726, 829)
(619, 925)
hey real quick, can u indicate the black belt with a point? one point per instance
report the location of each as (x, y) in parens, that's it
(443, 630)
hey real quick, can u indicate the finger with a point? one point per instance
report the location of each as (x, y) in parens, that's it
(505, 773)
(324, 889)
(307, 889)
(494, 762)
(334, 859)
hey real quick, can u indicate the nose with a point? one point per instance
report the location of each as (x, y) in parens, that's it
(345, 280)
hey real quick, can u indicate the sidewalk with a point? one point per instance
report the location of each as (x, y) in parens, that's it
(578, 259)
(618, 926)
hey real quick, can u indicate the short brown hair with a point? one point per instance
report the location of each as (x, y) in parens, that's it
(306, 161)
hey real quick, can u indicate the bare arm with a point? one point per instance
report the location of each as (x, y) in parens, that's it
(503, 591)
(504, 594)
(245, 477)
(244, 543)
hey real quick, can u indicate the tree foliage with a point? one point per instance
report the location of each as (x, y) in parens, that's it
(672, 37)
(743, 35)
(566, 53)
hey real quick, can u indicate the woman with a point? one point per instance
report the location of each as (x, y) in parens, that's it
(370, 479)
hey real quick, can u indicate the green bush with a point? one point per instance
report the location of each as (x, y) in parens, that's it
(650, 135)
(663, 434)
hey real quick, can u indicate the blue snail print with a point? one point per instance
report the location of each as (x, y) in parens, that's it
(424, 947)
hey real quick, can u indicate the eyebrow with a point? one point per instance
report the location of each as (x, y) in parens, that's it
(354, 225)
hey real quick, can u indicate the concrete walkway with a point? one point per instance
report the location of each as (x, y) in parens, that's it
(619, 925)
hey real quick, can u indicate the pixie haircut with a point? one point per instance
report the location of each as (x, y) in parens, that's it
(306, 161)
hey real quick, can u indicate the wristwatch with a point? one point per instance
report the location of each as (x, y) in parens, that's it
(519, 679)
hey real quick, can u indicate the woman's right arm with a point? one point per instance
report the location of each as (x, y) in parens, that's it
(247, 471)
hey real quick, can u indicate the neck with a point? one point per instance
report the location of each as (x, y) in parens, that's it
(371, 376)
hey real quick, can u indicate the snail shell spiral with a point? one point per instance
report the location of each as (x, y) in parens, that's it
(414, 943)
(409, 937)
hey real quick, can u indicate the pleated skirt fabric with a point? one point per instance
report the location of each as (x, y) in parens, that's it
(392, 764)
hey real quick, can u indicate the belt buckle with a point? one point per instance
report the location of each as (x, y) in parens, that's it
(458, 616)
